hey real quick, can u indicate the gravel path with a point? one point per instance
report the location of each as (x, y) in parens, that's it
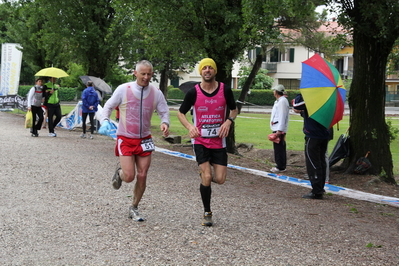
(58, 208)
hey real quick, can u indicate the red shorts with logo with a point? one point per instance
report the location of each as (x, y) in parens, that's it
(129, 147)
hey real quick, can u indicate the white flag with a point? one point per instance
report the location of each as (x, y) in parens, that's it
(11, 59)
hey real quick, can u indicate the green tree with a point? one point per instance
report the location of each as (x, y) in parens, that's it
(25, 27)
(57, 34)
(85, 32)
(261, 82)
(262, 28)
(219, 29)
(189, 30)
(6, 15)
(375, 27)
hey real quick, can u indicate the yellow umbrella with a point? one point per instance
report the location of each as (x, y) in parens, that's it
(52, 72)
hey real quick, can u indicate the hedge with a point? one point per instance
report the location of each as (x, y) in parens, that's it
(257, 97)
(65, 94)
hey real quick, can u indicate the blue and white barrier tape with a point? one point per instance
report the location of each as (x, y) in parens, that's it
(346, 192)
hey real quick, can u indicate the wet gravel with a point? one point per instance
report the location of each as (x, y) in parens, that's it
(58, 208)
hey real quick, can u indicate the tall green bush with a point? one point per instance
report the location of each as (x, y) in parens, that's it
(262, 80)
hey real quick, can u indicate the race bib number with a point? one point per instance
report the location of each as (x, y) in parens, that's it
(147, 145)
(210, 131)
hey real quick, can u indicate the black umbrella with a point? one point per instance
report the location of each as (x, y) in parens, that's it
(340, 151)
(98, 83)
(184, 87)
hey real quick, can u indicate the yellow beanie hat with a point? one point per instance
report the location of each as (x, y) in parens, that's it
(207, 62)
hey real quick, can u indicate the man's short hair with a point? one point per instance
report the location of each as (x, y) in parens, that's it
(144, 63)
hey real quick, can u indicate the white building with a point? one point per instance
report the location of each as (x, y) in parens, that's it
(284, 63)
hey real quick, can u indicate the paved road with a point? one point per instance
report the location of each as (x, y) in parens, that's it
(58, 208)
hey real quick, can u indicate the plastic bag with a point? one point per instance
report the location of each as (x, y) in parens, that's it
(108, 128)
(28, 119)
(273, 137)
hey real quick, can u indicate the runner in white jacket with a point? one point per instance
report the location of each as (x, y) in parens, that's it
(136, 101)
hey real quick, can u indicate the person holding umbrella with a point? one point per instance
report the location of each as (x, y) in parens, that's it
(35, 99)
(324, 93)
(316, 143)
(52, 101)
(53, 106)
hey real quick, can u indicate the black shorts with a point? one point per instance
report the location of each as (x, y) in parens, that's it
(214, 156)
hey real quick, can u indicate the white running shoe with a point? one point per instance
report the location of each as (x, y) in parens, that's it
(134, 214)
(276, 170)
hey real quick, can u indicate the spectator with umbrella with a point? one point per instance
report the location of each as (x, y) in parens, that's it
(35, 99)
(52, 104)
(52, 100)
(324, 94)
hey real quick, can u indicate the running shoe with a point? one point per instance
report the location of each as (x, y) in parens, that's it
(91, 136)
(52, 135)
(134, 214)
(276, 170)
(83, 136)
(116, 179)
(312, 196)
(207, 219)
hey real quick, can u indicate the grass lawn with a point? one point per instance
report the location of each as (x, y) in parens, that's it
(254, 128)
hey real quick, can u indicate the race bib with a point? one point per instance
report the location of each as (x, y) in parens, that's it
(210, 131)
(147, 145)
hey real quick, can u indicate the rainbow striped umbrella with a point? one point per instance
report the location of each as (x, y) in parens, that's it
(323, 91)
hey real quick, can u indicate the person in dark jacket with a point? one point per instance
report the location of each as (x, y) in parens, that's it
(316, 143)
(90, 102)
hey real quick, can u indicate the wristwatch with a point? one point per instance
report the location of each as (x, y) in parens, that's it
(231, 119)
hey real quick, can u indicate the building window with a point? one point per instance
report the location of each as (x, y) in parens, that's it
(292, 55)
(252, 54)
(274, 55)
(286, 55)
(290, 84)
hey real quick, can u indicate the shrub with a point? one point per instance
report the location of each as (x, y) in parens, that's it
(65, 94)
(175, 94)
(257, 97)
(262, 80)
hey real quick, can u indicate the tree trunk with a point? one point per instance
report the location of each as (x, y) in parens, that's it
(231, 141)
(224, 75)
(249, 81)
(163, 83)
(368, 129)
